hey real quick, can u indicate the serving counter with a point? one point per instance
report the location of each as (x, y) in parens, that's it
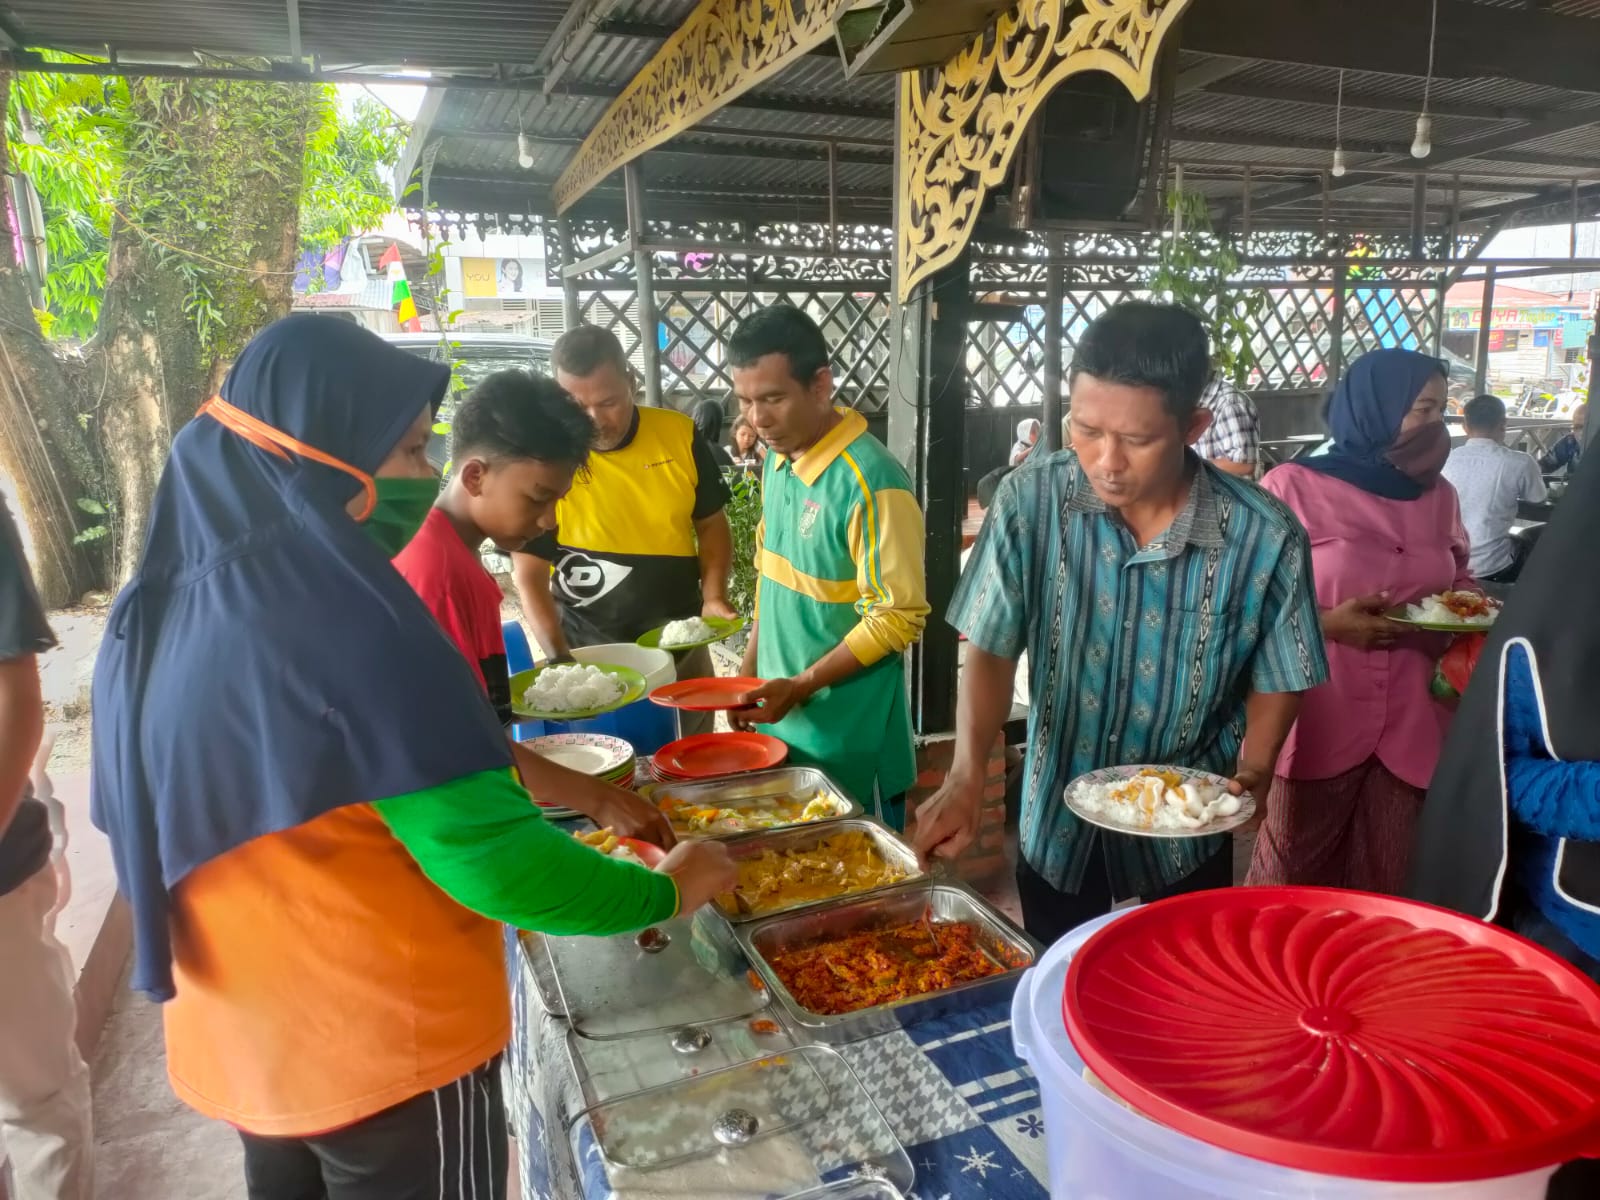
(678, 1064)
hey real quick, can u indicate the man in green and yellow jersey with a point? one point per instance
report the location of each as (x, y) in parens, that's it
(842, 592)
(642, 538)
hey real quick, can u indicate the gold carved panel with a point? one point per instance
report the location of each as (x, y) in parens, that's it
(961, 123)
(722, 49)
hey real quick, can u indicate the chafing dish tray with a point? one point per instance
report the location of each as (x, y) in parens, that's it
(940, 903)
(737, 907)
(756, 794)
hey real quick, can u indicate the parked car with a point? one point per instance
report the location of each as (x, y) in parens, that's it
(472, 356)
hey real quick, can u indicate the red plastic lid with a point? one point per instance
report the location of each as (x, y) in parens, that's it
(707, 755)
(1342, 1033)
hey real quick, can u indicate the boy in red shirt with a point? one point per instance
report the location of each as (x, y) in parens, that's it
(517, 442)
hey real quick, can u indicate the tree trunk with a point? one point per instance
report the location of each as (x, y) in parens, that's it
(44, 447)
(202, 257)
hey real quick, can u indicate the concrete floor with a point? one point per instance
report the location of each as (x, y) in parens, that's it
(150, 1147)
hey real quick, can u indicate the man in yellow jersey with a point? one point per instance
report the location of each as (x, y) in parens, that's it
(842, 593)
(642, 538)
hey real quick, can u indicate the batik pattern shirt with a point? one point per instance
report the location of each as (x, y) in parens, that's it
(1136, 655)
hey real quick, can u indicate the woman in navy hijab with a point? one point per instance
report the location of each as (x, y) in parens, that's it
(310, 800)
(1385, 530)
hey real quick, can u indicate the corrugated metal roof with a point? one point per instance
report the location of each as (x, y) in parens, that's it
(437, 32)
(1268, 114)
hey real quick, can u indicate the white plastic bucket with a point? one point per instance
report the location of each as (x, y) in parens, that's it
(655, 665)
(1099, 1150)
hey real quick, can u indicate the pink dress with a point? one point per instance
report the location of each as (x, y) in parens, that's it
(1376, 703)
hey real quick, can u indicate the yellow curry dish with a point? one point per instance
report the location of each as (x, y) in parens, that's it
(747, 816)
(842, 865)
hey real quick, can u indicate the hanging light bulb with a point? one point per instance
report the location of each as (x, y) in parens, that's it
(1338, 132)
(524, 152)
(1422, 144)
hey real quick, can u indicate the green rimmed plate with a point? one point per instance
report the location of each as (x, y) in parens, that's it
(633, 685)
(723, 628)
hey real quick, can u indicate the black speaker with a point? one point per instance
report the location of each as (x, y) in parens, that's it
(1091, 150)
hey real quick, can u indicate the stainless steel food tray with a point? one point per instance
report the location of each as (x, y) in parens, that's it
(784, 781)
(806, 837)
(951, 902)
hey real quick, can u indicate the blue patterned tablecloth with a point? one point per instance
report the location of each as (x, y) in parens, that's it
(961, 1102)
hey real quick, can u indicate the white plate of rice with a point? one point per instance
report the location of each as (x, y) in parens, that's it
(1449, 612)
(1154, 801)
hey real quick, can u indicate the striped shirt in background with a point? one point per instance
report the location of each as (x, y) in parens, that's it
(1235, 430)
(1136, 656)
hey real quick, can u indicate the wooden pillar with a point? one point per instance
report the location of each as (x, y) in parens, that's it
(645, 283)
(1341, 293)
(1055, 297)
(927, 422)
(1419, 216)
(571, 306)
(1485, 319)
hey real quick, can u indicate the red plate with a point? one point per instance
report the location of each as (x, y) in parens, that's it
(708, 755)
(1348, 1034)
(650, 855)
(706, 695)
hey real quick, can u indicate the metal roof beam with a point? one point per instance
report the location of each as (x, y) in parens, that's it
(651, 31)
(1563, 122)
(1548, 198)
(581, 22)
(1475, 41)
(1276, 141)
(810, 150)
(1207, 74)
(680, 188)
(756, 102)
(1402, 104)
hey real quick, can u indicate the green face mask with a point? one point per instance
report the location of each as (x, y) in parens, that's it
(402, 507)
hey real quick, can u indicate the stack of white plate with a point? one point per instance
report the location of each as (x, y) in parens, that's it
(594, 754)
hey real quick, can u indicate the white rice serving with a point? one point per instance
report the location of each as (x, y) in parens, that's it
(576, 688)
(1150, 800)
(1432, 610)
(686, 633)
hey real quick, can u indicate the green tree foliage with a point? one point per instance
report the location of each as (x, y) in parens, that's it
(101, 145)
(174, 212)
(744, 514)
(75, 158)
(346, 150)
(1197, 270)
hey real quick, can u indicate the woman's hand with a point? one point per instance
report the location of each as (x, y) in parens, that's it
(701, 870)
(1359, 622)
(628, 815)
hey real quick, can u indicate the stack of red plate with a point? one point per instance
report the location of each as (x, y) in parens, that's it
(709, 755)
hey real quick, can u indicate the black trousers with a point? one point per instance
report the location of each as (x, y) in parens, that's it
(447, 1144)
(1047, 914)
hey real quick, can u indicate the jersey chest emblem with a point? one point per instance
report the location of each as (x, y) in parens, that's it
(810, 510)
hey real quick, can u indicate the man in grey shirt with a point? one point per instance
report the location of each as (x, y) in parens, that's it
(1492, 479)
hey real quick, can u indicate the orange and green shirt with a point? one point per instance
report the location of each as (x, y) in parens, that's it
(333, 970)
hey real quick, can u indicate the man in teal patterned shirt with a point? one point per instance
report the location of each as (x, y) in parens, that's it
(1168, 616)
